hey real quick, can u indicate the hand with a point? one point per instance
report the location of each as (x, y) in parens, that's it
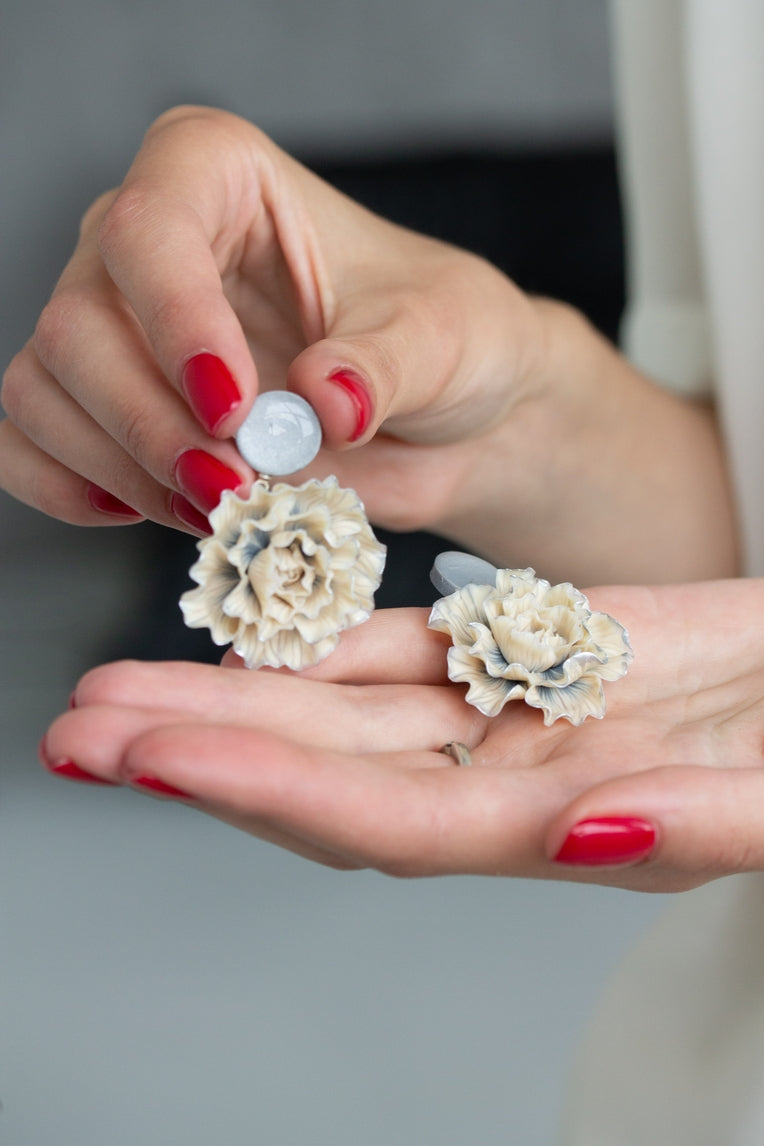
(220, 266)
(449, 400)
(342, 764)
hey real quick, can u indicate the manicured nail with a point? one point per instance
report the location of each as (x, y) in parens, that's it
(106, 502)
(71, 771)
(188, 514)
(154, 784)
(609, 840)
(67, 769)
(203, 478)
(360, 397)
(210, 389)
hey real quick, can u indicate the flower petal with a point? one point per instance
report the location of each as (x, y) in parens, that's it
(612, 638)
(487, 694)
(584, 697)
(455, 613)
(285, 571)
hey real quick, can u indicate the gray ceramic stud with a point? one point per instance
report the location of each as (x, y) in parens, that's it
(453, 570)
(280, 434)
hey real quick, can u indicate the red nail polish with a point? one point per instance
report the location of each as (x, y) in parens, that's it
(210, 389)
(189, 514)
(153, 784)
(67, 769)
(356, 389)
(607, 840)
(203, 478)
(106, 502)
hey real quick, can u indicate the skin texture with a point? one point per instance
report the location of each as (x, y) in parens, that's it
(360, 781)
(495, 419)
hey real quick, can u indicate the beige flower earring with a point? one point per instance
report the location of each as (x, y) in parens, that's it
(516, 637)
(288, 568)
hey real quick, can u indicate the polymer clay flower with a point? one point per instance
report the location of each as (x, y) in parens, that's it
(284, 572)
(525, 639)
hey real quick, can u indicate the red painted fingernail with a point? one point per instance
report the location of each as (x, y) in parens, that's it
(106, 502)
(210, 389)
(356, 389)
(154, 784)
(203, 478)
(71, 771)
(607, 840)
(189, 514)
(67, 769)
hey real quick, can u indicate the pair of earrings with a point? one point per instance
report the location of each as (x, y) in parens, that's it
(288, 568)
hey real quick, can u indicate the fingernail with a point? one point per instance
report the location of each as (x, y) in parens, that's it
(188, 514)
(154, 784)
(106, 502)
(210, 389)
(203, 478)
(68, 770)
(360, 397)
(608, 840)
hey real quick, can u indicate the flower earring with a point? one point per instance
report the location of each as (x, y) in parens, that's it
(288, 568)
(516, 637)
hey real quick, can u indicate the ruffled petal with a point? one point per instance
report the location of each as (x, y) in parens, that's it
(584, 697)
(525, 637)
(613, 640)
(487, 694)
(285, 571)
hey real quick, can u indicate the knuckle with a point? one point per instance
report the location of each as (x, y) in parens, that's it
(128, 207)
(94, 214)
(51, 494)
(14, 389)
(136, 425)
(195, 118)
(58, 320)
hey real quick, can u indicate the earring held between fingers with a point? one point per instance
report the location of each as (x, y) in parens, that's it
(287, 568)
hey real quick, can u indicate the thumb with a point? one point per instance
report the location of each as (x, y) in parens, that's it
(389, 363)
(665, 829)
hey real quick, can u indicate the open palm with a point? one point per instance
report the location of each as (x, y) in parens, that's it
(343, 764)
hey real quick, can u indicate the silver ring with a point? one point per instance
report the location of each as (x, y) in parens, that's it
(459, 753)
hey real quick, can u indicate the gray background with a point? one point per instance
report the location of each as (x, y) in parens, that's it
(164, 979)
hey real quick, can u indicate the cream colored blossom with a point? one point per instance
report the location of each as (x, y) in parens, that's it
(525, 639)
(284, 572)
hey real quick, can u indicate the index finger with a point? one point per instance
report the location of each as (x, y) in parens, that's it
(173, 233)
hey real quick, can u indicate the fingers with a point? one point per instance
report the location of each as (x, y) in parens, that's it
(124, 389)
(427, 818)
(407, 813)
(664, 829)
(403, 346)
(184, 211)
(393, 647)
(357, 719)
(35, 478)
